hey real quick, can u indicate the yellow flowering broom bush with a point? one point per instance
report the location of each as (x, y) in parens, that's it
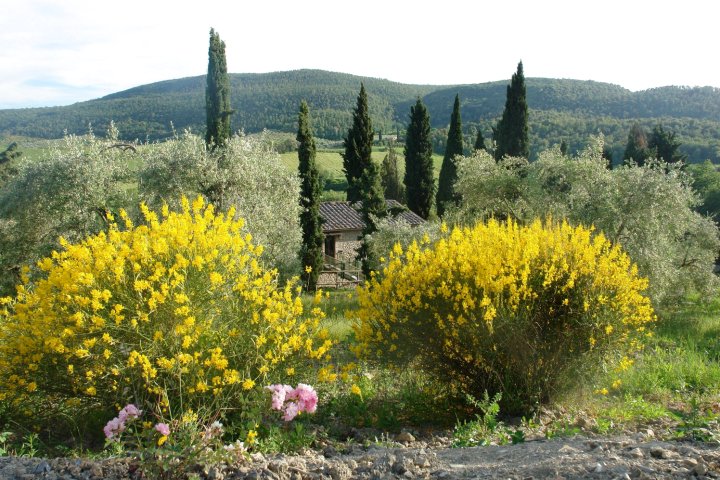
(506, 308)
(172, 315)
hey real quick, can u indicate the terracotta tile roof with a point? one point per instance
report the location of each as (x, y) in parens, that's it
(341, 216)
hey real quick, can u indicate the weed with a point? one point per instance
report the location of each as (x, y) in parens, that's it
(485, 429)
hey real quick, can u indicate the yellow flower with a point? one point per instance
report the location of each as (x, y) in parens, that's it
(251, 437)
(355, 390)
(308, 269)
(248, 384)
(162, 440)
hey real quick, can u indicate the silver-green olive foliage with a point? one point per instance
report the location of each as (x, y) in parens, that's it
(649, 210)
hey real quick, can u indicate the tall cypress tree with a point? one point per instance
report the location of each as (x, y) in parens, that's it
(446, 194)
(390, 176)
(373, 206)
(511, 133)
(637, 148)
(217, 94)
(479, 141)
(358, 147)
(419, 177)
(311, 252)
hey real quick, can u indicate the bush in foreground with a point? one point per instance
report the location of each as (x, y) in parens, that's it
(501, 308)
(175, 315)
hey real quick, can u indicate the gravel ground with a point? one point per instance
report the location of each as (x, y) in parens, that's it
(630, 456)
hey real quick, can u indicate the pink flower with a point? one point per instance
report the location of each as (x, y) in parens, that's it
(163, 428)
(129, 411)
(291, 411)
(278, 395)
(117, 424)
(307, 398)
(113, 427)
(300, 399)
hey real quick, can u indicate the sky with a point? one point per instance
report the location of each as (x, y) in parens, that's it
(65, 51)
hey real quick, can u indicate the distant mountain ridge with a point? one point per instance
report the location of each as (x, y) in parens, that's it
(561, 109)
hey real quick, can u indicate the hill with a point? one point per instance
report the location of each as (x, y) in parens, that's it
(561, 109)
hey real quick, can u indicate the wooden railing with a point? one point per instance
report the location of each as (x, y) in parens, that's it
(338, 273)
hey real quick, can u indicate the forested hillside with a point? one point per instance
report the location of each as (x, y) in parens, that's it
(568, 110)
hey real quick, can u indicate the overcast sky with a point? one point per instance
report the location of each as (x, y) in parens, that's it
(57, 52)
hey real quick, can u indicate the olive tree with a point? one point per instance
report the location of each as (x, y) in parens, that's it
(246, 174)
(649, 210)
(67, 193)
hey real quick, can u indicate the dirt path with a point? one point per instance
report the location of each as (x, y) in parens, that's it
(614, 457)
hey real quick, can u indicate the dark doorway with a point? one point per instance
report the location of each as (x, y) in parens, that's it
(330, 245)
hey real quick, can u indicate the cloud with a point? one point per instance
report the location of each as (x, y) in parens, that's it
(65, 51)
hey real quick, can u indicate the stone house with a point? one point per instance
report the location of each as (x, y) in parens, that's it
(342, 227)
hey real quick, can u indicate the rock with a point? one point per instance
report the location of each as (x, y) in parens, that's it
(214, 473)
(42, 467)
(96, 471)
(405, 437)
(330, 452)
(636, 453)
(700, 469)
(278, 466)
(257, 457)
(568, 450)
(598, 468)
(339, 471)
(689, 462)
(658, 452)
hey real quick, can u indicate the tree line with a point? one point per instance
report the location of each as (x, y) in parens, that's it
(567, 110)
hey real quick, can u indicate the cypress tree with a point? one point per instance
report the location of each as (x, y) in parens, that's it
(311, 252)
(217, 94)
(563, 148)
(511, 133)
(372, 207)
(10, 153)
(637, 147)
(479, 141)
(665, 146)
(390, 176)
(358, 147)
(448, 172)
(419, 177)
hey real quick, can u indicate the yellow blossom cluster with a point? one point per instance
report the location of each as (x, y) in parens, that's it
(175, 311)
(504, 307)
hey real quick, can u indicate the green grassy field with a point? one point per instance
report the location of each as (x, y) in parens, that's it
(330, 161)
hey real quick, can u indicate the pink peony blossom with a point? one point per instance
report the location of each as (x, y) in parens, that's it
(279, 393)
(292, 401)
(307, 397)
(163, 428)
(291, 411)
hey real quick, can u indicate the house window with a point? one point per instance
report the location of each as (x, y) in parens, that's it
(330, 245)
